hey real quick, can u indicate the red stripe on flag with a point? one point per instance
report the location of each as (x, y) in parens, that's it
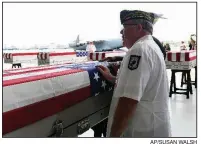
(103, 55)
(23, 54)
(187, 56)
(178, 56)
(28, 68)
(97, 54)
(91, 56)
(20, 117)
(28, 71)
(192, 58)
(169, 56)
(64, 53)
(39, 77)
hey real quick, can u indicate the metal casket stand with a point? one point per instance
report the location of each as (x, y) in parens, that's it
(81, 117)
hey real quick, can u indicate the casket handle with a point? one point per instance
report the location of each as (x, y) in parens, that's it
(58, 128)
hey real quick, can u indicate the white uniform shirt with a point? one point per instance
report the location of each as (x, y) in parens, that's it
(146, 81)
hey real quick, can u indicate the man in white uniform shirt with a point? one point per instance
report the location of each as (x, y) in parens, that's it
(139, 106)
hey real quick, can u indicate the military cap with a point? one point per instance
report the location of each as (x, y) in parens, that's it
(126, 15)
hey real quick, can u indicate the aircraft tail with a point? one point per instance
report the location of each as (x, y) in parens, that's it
(78, 39)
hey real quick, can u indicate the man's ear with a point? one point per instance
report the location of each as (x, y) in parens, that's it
(139, 27)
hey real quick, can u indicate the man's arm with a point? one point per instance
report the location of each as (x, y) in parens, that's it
(124, 111)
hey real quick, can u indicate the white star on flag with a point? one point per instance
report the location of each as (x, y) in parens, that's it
(96, 77)
(103, 84)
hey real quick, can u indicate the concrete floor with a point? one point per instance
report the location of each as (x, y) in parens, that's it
(183, 112)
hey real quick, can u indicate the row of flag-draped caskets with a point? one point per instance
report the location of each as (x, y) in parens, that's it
(46, 58)
(178, 60)
(62, 99)
(174, 59)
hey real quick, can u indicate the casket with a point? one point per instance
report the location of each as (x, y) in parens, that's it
(181, 60)
(46, 58)
(59, 100)
(20, 57)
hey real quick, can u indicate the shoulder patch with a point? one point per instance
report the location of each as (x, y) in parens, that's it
(133, 62)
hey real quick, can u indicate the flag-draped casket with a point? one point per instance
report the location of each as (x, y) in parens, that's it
(181, 60)
(20, 57)
(34, 98)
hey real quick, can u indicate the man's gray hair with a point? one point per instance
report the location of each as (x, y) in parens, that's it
(146, 25)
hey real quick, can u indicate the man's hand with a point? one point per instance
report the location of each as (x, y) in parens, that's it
(106, 73)
(104, 70)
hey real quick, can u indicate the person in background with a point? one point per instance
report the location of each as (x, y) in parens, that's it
(183, 46)
(190, 45)
(193, 45)
(91, 47)
(139, 105)
(167, 47)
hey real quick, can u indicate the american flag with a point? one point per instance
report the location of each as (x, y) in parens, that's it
(32, 94)
(97, 82)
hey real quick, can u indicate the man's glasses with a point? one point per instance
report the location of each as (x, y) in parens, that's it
(124, 26)
(128, 25)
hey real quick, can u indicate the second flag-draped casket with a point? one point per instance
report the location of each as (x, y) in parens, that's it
(39, 101)
(181, 60)
(20, 57)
